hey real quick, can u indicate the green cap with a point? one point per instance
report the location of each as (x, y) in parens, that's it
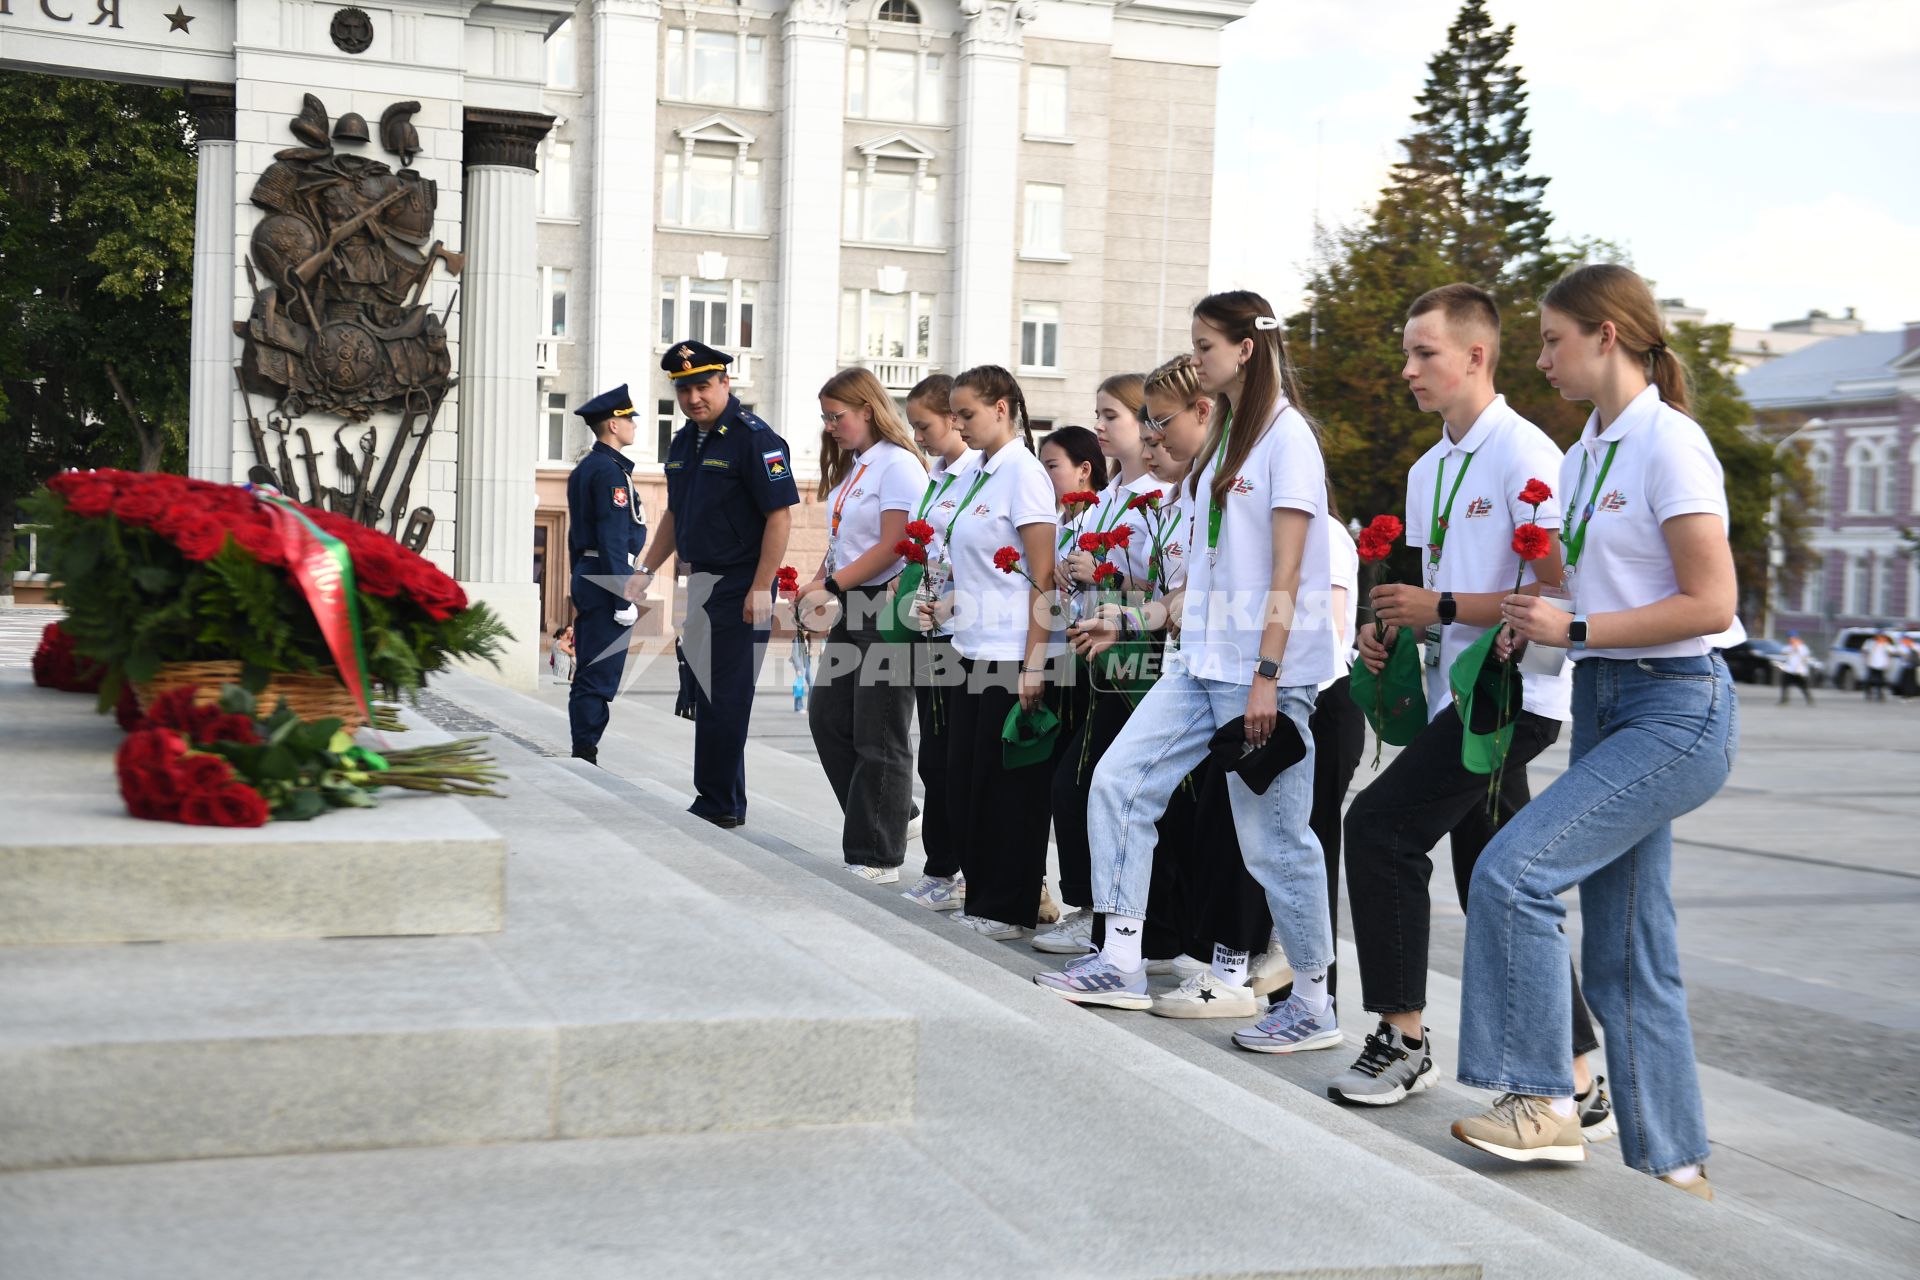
(1027, 737)
(1486, 724)
(1395, 701)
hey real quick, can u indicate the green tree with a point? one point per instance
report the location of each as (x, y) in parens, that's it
(96, 281)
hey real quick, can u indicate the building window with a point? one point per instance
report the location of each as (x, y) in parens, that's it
(726, 68)
(1869, 478)
(556, 415)
(555, 283)
(1045, 221)
(709, 182)
(892, 205)
(1820, 467)
(1884, 584)
(1040, 336)
(1859, 584)
(1047, 101)
(664, 421)
(556, 180)
(894, 84)
(891, 333)
(899, 11)
(1812, 590)
(562, 58)
(716, 312)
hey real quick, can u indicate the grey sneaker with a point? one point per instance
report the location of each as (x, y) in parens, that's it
(1071, 937)
(1097, 982)
(1290, 1028)
(1386, 1071)
(1597, 1121)
(992, 930)
(938, 893)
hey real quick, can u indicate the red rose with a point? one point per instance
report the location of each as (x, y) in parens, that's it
(126, 712)
(231, 727)
(920, 531)
(1386, 527)
(1535, 493)
(376, 571)
(1531, 542)
(202, 772)
(241, 806)
(91, 499)
(1093, 542)
(143, 504)
(260, 541)
(174, 709)
(1006, 560)
(150, 748)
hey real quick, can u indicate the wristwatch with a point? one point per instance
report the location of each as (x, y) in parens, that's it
(1577, 632)
(1267, 669)
(1449, 608)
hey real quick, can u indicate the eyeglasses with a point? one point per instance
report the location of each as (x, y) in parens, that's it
(832, 419)
(1153, 425)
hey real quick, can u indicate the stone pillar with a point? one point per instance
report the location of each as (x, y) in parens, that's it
(499, 443)
(813, 156)
(988, 203)
(621, 298)
(211, 388)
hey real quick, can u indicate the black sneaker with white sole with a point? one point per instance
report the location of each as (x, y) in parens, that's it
(1597, 1121)
(1387, 1070)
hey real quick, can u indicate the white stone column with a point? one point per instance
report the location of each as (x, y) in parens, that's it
(621, 296)
(211, 388)
(499, 442)
(813, 154)
(988, 201)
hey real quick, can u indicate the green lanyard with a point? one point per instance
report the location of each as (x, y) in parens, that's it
(1214, 509)
(947, 544)
(1437, 534)
(933, 494)
(1577, 543)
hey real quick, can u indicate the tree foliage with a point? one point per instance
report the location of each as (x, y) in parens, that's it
(96, 279)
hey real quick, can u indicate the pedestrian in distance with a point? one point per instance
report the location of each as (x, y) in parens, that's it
(1796, 665)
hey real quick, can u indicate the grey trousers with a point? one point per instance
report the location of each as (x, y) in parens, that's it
(861, 715)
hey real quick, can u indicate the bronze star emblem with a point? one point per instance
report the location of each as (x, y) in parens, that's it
(178, 19)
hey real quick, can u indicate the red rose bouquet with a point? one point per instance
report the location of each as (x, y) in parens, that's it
(57, 666)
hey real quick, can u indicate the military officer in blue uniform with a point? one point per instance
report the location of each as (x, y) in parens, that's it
(730, 500)
(606, 531)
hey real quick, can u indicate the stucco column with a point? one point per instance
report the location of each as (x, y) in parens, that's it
(621, 298)
(211, 388)
(988, 202)
(499, 422)
(813, 145)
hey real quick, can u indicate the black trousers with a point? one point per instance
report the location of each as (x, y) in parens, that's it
(724, 653)
(861, 714)
(999, 816)
(935, 664)
(1875, 688)
(1392, 827)
(1788, 682)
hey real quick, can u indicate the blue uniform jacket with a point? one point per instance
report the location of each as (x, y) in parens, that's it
(721, 492)
(604, 517)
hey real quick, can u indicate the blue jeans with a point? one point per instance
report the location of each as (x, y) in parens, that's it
(1652, 739)
(1161, 743)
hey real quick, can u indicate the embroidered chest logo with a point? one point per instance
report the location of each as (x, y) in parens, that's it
(1479, 507)
(1174, 550)
(1242, 485)
(984, 509)
(620, 495)
(776, 464)
(948, 505)
(856, 493)
(1614, 501)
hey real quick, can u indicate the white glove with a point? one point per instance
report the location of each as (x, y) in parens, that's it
(628, 616)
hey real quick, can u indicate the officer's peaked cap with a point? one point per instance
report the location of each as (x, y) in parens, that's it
(609, 404)
(691, 363)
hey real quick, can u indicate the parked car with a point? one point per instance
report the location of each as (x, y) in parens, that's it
(1847, 668)
(1754, 660)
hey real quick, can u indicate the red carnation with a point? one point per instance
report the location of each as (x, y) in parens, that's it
(1106, 573)
(920, 531)
(910, 551)
(1535, 493)
(1006, 560)
(1387, 527)
(1084, 498)
(1374, 549)
(786, 579)
(1093, 542)
(1149, 501)
(1118, 537)
(1531, 542)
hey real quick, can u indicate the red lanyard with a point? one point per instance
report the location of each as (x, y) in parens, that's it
(845, 491)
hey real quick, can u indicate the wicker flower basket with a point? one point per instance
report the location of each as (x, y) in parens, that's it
(312, 697)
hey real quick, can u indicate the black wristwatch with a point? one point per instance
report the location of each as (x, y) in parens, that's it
(1267, 669)
(1577, 632)
(1449, 608)
(833, 586)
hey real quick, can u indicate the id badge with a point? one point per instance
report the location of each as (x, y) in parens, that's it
(939, 578)
(833, 557)
(1430, 640)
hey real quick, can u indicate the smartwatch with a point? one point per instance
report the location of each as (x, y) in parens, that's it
(1267, 668)
(1577, 632)
(1449, 608)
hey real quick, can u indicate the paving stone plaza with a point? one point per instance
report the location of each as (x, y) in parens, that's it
(696, 1052)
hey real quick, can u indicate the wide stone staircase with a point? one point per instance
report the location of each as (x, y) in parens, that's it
(579, 1033)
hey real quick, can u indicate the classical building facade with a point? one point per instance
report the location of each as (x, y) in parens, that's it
(912, 185)
(1852, 403)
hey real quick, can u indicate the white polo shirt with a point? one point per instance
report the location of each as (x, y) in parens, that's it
(1112, 512)
(991, 608)
(1345, 573)
(1226, 603)
(1663, 468)
(940, 500)
(884, 477)
(1477, 552)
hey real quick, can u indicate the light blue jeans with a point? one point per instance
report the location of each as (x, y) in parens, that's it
(1652, 739)
(1162, 742)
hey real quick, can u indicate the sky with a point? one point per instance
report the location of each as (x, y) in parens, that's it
(1758, 158)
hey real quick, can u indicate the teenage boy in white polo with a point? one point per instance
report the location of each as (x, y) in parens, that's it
(1463, 504)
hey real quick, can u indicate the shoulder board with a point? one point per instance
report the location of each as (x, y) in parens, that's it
(752, 422)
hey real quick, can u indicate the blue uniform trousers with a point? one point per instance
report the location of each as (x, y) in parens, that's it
(600, 657)
(724, 653)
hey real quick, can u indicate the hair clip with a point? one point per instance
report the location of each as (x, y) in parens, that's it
(1266, 323)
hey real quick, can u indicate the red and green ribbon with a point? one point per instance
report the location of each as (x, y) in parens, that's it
(322, 566)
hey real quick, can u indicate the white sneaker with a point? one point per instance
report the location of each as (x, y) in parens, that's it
(913, 827)
(1269, 970)
(993, 930)
(1184, 967)
(937, 893)
(1071, 937)
(875, 875)
(1159, 968)
(1205, 996)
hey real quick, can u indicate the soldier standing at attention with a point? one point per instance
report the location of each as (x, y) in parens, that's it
(729, 492)
(605, 532)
